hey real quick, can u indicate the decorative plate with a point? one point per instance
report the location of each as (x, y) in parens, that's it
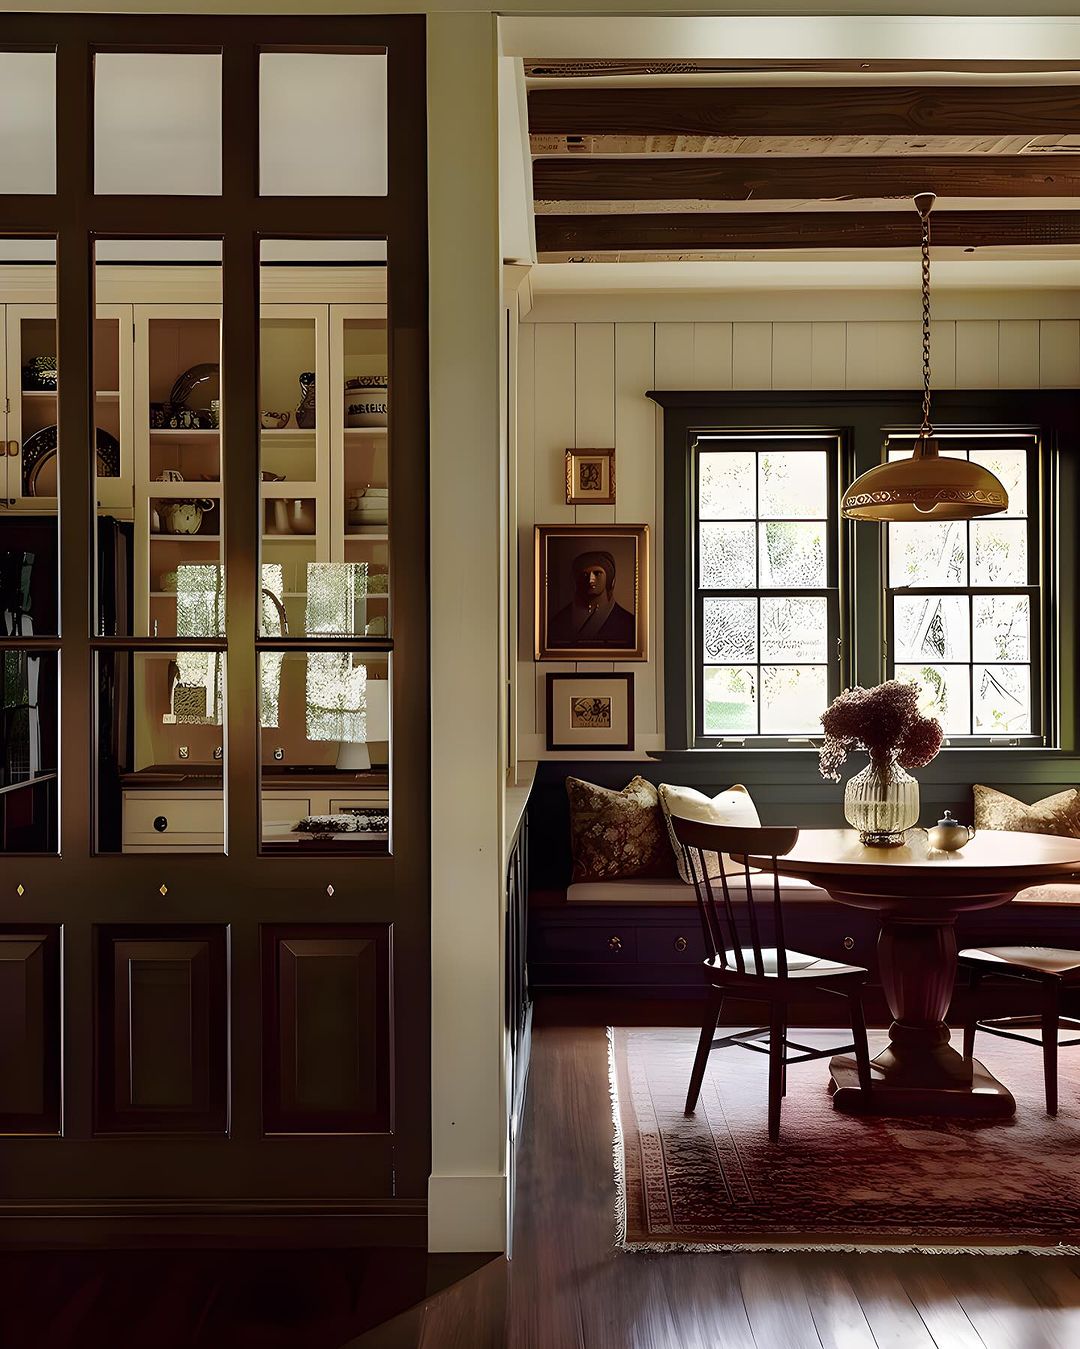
(201, 382)
(39, 461)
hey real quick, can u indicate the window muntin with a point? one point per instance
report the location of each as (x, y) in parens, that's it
(963, 598)
(766, 584)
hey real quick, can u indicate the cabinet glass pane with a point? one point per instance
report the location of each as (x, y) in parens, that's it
(325, 718)
(322, 124)
(28, 751)
(157, 123)
(28, 122)
(29, 554)
(324, 444)
(160, 751)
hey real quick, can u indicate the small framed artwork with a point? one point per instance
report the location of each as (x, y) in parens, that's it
(592, 592)
(590, 477)
(590, 711)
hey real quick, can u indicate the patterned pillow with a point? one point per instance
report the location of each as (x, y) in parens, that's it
(1057, 814)
(617, 835)
(735, 807)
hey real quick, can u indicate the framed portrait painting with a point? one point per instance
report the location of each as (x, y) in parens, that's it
(590, 711)
(590, 477)
(592, 584)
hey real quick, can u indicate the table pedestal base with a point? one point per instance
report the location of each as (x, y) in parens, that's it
(939, 1084)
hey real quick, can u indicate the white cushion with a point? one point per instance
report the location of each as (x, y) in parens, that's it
(733, 807)
(792, 889)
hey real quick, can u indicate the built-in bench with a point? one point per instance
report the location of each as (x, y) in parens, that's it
(643, 937)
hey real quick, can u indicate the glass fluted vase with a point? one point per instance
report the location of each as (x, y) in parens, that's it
(882, 802)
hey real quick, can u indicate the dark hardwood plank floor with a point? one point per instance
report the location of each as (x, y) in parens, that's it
(567, 1288)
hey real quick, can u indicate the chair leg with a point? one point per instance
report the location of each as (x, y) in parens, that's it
(776, 1068)
(783, 1051)
(971, 1025)
(708, 1030)
(1050, 1046)
(858, 1034)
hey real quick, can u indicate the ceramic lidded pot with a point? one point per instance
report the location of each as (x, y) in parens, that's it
(367, 400)
(182, 517)
(948, 835)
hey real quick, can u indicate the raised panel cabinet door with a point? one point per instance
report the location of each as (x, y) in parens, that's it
(30, 1031)
(162, 1030)
(327, 1050)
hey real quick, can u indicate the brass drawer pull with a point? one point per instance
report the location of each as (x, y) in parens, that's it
(681, 943)
(849, 943)
(614, 943)
(13, 449)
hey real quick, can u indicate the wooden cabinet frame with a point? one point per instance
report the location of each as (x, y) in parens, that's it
(382, 1176)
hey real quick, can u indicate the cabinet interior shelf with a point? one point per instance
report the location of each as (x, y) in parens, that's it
(188, 437)
(185, 538)
(101, 395)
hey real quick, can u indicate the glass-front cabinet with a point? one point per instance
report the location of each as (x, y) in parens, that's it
(161, 434)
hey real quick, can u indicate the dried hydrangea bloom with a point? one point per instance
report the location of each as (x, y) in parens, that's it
(885, 721)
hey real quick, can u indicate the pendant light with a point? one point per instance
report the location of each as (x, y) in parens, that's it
(926, 486)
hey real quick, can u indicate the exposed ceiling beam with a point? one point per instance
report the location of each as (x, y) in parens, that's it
(881, 110)
(824, 229)
(773, 178)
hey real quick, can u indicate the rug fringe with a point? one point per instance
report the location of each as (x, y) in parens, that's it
(749, 1248)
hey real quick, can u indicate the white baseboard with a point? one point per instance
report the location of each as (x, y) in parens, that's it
(467, 1213)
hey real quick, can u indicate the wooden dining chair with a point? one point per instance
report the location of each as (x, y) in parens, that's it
(1055, 971)
(774, 975)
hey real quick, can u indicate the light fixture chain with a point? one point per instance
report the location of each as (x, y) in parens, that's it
(926, 431)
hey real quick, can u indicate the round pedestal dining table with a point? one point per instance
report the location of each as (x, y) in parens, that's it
(918, 892)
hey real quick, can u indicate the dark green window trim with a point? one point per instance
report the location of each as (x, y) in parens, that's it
(858, 419)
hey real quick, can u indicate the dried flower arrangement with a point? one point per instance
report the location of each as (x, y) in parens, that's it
(885, 721)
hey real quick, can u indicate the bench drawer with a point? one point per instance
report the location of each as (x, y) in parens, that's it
(676, 944)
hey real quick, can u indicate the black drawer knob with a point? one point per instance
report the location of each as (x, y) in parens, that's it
(161, 823)
(680, 943)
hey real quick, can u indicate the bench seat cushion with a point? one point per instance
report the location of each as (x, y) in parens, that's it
(791, 890)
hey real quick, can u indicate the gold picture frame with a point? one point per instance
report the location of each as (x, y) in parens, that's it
(592, 592)
(590, 477)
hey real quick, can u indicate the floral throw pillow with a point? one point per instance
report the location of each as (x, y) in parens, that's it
(615, 836)
(1057, 814)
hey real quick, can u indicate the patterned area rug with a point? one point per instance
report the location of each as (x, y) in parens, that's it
(835, 1181)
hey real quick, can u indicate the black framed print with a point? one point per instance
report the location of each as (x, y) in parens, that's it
(590, 711)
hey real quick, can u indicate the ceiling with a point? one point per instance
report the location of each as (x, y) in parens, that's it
(709, 160)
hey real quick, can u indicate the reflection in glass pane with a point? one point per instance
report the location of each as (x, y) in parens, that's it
(793, 698)
(28, 122)
(794, 629)
(931, 627)
(999, 552)
(325, 749)
(1002, 627)
(930, 554)
(792, 554)
(28, 752)
(1010, 468)
(160, 751)
(726, 558)
(1002, 698)
(157, 123)
(322, 124)
(730, 700)
(793, 484)
(726, 485)
(945, 693)
(730, 629)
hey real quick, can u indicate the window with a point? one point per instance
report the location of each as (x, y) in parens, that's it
(767, 599)
(772, 602)
(964, 601)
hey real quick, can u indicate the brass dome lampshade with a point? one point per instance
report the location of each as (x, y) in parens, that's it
(926, 486)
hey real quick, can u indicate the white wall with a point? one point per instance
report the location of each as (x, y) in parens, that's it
(583, 383)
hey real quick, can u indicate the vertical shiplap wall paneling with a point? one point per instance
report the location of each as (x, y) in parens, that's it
(977, 349)
(594, 420)
(526, 517)
(585, 385)
(637, 500)
(828, 355)
(554, 429)
(1018, 353)
(1059, 354)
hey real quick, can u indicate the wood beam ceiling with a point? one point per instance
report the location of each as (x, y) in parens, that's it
(806, 230)
(1030, 110)
(775, 178)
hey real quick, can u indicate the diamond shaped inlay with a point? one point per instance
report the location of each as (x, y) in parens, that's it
(163, 890)
(20, 890)
(329, 889)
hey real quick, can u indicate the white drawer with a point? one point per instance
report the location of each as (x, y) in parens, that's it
(280, 809)
(188, 813)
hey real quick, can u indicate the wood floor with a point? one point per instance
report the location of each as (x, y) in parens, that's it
(566, 1288)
